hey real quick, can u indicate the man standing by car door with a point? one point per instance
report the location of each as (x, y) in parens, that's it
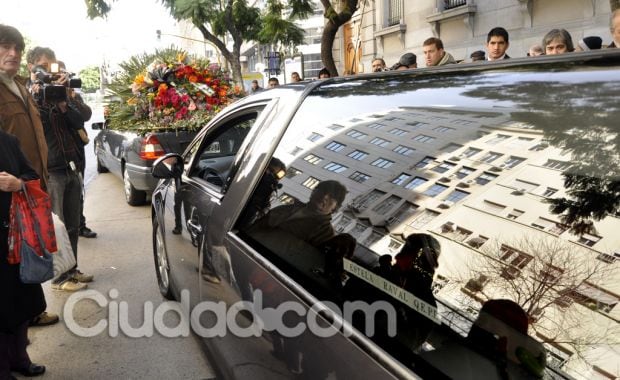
(61, 121)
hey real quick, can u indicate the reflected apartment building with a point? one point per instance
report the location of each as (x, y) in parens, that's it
(480, 183)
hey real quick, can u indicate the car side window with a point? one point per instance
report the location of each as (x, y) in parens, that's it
(215, 156)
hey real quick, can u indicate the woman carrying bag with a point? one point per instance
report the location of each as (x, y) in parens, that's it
(19, 302)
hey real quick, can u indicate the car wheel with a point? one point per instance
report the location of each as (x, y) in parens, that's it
(162, 268)
(133, 196)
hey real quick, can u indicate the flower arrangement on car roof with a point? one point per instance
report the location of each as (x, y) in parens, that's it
(181, 94)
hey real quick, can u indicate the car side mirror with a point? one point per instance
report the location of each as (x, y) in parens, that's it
(97, 126)
(169, 166)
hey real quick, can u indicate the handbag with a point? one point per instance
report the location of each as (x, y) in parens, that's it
(31, 233)
(64, 259)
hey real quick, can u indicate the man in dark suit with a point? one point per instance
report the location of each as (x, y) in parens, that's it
(497, 44)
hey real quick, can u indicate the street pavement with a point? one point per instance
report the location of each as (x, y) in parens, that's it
(120, 258)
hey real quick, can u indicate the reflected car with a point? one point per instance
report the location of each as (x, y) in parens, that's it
(454, 222)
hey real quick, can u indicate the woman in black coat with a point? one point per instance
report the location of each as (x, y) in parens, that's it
(19, 302)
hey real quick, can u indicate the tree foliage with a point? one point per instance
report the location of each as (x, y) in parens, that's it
(217, 19)
(91, 79)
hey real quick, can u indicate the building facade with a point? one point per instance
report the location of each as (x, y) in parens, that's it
(389, 28)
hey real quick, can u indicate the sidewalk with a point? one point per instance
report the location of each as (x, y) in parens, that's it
(120, 258)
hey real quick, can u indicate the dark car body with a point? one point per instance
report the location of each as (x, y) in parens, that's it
(123, 154)
(448, 152)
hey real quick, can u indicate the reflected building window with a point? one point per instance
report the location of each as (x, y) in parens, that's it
(469, 152)
(401, 179)
(417, 181)
(385, 206)
(380, 142)
(497, 139)
(402, 214)
(425, 161)
(423, 138)
(485, 178)
(359, 177)
(335, 146)
(422, 219)
(311, 182)
(366, 200)
(398, 132)
(490, 157)
(492, 207)
(315, 137)
(435, 190)
(557, 165)
(292, 172)
(356, 134)
(451, 147)
(313, 159)
(443, 129)
(357, 155)
(382, 163)
(513, 161)
(443, 167)
(589, 240)
(404, 150)
(463, 172)
(456, 196)
(335, 167)
(514, 214)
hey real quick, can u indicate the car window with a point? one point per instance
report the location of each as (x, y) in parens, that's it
(495, 217)
(216, 153)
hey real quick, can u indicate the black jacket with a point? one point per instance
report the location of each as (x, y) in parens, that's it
(18, 302)
(62, 137)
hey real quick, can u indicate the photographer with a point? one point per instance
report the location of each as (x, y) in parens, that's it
(61, 122)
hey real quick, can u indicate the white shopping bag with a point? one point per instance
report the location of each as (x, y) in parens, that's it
(64, 259)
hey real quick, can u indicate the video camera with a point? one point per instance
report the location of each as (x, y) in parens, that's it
(50, 91)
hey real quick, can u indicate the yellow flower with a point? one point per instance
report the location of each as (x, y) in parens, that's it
(132, 101)
(181, 57)
(139, 80)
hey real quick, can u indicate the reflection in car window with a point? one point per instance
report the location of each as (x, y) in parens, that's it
(509, 203)
(218, 150)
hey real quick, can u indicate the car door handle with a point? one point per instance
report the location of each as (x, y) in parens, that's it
(194, 229)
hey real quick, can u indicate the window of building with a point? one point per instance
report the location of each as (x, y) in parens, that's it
(372, 239)
(462, 122)
(556, 164)
(355, 120)
(315, 137)
(477, 242)
(394, 12)
(451, 147)
(516, 260)
(398, 132)
(359, 177)
(335, 167)
(286, 199)
(394, 246)
(358, 155)
(520, 143)
(549, 226)
(422, 219)
(401, 179)
(380, 142)
(463, 172)
(292, 172)
(513, 161)
(539, 147)
(336, 127)
(404, 150)
(417, 181)
(403, 213)
(335, 146)
(589, 240)
(386, 205)
(443, 129)
(343, 223)
(514, 214)
(423, 138)
(450, 4)
(376, 126)
(456, 233)
(382, 163)
(392, 118)
(549, 191)
(313, 159)
(296, 150)
(490, 157)
(497, 139)
(425, 161)
(435, 190)
(594, 297)
(443, 167)
(609, 259)
(492, 207)
(522, 185)
(356, 134)
(456, 196)
(469, 152)
(366, 200)
(485, 178)
(416, 124)
(311, 182)
(358, 230)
